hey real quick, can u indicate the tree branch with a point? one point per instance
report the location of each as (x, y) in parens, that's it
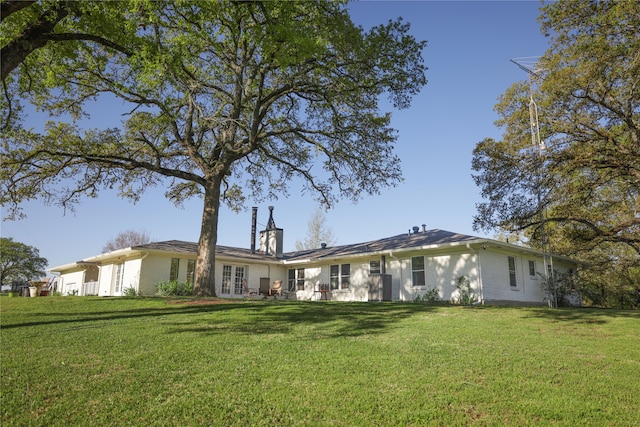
(35, 36)
(58, 37)
(8, 7)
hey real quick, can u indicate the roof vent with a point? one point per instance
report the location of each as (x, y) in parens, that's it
(424, 228)
(416, 229)
(323, 245)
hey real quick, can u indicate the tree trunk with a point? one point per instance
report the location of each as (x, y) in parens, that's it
(205, 283)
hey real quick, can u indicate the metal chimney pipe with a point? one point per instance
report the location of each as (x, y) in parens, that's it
(254, 220)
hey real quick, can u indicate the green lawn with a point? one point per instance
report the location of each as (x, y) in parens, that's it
(150, 361)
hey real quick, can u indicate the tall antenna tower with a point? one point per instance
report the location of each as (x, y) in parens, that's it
(529, 65)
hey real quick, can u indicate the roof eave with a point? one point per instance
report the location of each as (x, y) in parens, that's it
(478, 243)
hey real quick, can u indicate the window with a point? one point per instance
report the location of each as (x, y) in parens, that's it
(226, 279)
(175, 267)
(532, 269)
(235, 275)
(191, 270)
(340, 276)
(334, 276)
(239, 280)
(296, 280)
(374, 267)
(417, 271)
(512, 272)
(345, 272)
(118, 277)
(292, 281)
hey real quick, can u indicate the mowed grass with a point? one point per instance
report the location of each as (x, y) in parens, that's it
(151, 361)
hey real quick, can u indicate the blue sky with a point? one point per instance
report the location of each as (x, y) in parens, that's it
(469, 45)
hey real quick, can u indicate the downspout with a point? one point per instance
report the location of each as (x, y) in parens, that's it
(479, 268)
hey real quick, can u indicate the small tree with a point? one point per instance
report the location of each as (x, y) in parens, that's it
(19, 262)
(317, 232)
(127, 239)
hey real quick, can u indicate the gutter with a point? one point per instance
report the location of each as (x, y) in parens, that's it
(299, 261)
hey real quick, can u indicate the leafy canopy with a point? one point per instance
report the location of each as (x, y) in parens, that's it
(224, 100)
(588, 98)
(20, 262)
(583, 190)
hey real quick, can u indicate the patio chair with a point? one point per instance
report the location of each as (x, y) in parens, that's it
(265, 289)
(276, 288)
(247, 291)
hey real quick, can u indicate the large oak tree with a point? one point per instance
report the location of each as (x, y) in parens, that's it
(225, 100)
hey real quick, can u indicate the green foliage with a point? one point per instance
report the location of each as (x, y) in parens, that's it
(564, 289)
(223, 99)
(581, 193)
(465, 295)
(608, 287)
(20, 262)
(431, 296)
(173, 288)
(393, 364)
(130, 292)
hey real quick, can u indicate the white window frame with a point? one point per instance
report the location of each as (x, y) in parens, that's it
(118, 277)
(418, 276)
(191, 271)
(339, 276)
(240, 278)
(174, 269)
(234, 279)
(227, 274)
(296, 279)
(300, 279)
(532, 274)
(375, 267)
(513, 273)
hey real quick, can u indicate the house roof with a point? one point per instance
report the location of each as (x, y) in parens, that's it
(179, 246)
(419, 240)
(406, 241)
(428, 239)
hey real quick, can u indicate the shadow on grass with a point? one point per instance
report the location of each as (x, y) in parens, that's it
(320, 319)
(581, 315)
(64, 317)
(323, 319)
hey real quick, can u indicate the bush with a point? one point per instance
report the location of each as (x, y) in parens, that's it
(430, 297)
(174, 288)
(465, 293)
(130, 292)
